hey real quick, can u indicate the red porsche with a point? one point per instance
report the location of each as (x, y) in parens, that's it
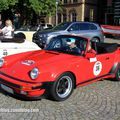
(67, 62)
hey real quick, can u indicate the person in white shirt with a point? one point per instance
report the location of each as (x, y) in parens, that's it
(7, 31)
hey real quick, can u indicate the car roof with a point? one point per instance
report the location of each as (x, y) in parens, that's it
(81, 22)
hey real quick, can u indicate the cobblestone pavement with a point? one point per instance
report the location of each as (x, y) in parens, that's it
(97, 101)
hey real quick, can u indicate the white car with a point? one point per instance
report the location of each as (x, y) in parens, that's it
(27, 31)
(9, 46)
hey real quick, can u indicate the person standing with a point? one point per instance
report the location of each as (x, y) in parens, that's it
(7, 31)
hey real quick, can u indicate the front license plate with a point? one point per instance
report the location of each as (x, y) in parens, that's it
(6, 88)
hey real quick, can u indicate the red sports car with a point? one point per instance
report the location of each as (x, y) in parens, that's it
(66, 63)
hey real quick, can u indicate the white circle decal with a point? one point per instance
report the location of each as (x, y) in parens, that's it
(97, 68)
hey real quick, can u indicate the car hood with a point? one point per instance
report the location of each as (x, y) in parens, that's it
(38, 59)
(46, 57)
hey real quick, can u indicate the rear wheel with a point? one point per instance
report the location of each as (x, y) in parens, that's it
(63, 87)
(95, 39)
(117, 75)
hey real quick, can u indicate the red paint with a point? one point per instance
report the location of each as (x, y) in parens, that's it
(51, 65)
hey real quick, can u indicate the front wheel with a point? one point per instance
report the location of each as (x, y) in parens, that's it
(117, 75)
(62, 87)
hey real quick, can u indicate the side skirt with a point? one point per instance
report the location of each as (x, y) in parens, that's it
(109, 75)
(93, 80)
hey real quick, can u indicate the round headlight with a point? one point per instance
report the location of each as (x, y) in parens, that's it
(1, 62)
(34, 73)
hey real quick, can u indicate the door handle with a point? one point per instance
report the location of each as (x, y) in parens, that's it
(107, 58)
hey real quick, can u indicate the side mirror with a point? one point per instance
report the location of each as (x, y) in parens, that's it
(90, 55)
(70, 29)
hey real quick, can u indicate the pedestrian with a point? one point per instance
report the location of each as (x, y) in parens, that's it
(7, 31)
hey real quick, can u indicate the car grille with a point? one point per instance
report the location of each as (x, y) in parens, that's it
(39, 39)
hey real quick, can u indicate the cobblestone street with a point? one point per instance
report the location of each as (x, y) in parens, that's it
(97, 101)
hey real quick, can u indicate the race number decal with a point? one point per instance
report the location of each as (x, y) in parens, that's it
(97, 68)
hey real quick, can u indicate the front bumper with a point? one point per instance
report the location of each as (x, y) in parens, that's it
(22, 88)
(40, 41)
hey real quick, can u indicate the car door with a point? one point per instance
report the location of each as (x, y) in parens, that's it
(94, 67)
(74, 29)
(107, 61)
(88, 30)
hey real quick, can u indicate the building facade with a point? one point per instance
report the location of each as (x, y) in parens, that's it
(75, 10)
(117, 12)
(109, 12)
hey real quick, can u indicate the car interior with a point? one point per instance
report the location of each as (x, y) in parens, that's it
(102, 48)
(61, 44)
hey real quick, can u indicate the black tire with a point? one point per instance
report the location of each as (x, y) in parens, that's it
(95, 39)
(63, 87)
(117, 74)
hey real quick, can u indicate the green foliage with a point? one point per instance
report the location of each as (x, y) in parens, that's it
(29, 9)
(46, 7)
(4, 4)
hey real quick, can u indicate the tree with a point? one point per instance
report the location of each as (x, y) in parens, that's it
(5, 4)
(28, 8)
(43, 6)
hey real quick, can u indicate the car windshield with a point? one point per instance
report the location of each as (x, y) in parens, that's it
(67, 44)
(62, 26)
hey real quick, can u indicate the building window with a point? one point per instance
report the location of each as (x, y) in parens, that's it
(59, 18)
(91, 14)
(65, 1)
(64, 17)
(75, 1)
(73, 16)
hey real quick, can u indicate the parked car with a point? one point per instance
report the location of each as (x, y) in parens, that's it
(86, 29)
(46, 26)
(28, 31)
(111, 30)
(57, 69)
(9, 46)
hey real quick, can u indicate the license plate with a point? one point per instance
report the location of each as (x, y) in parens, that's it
(7, 89)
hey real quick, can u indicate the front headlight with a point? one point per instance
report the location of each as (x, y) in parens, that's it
(1, 62)
(34, 73)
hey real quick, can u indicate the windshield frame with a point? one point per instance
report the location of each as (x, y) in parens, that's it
(63, 48)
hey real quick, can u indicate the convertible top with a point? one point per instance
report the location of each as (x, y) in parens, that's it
(13, 40)
(106, 47)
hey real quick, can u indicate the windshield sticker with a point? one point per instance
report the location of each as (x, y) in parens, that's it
(97, 68)
(93, 59)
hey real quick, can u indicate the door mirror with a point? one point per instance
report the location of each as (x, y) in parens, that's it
(70, 29)
(90, 55)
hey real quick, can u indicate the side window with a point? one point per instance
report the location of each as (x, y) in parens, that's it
(84, 26)
(74, 27)
(54, 43)
(93, 27)
(57, 44)
(48, 25)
